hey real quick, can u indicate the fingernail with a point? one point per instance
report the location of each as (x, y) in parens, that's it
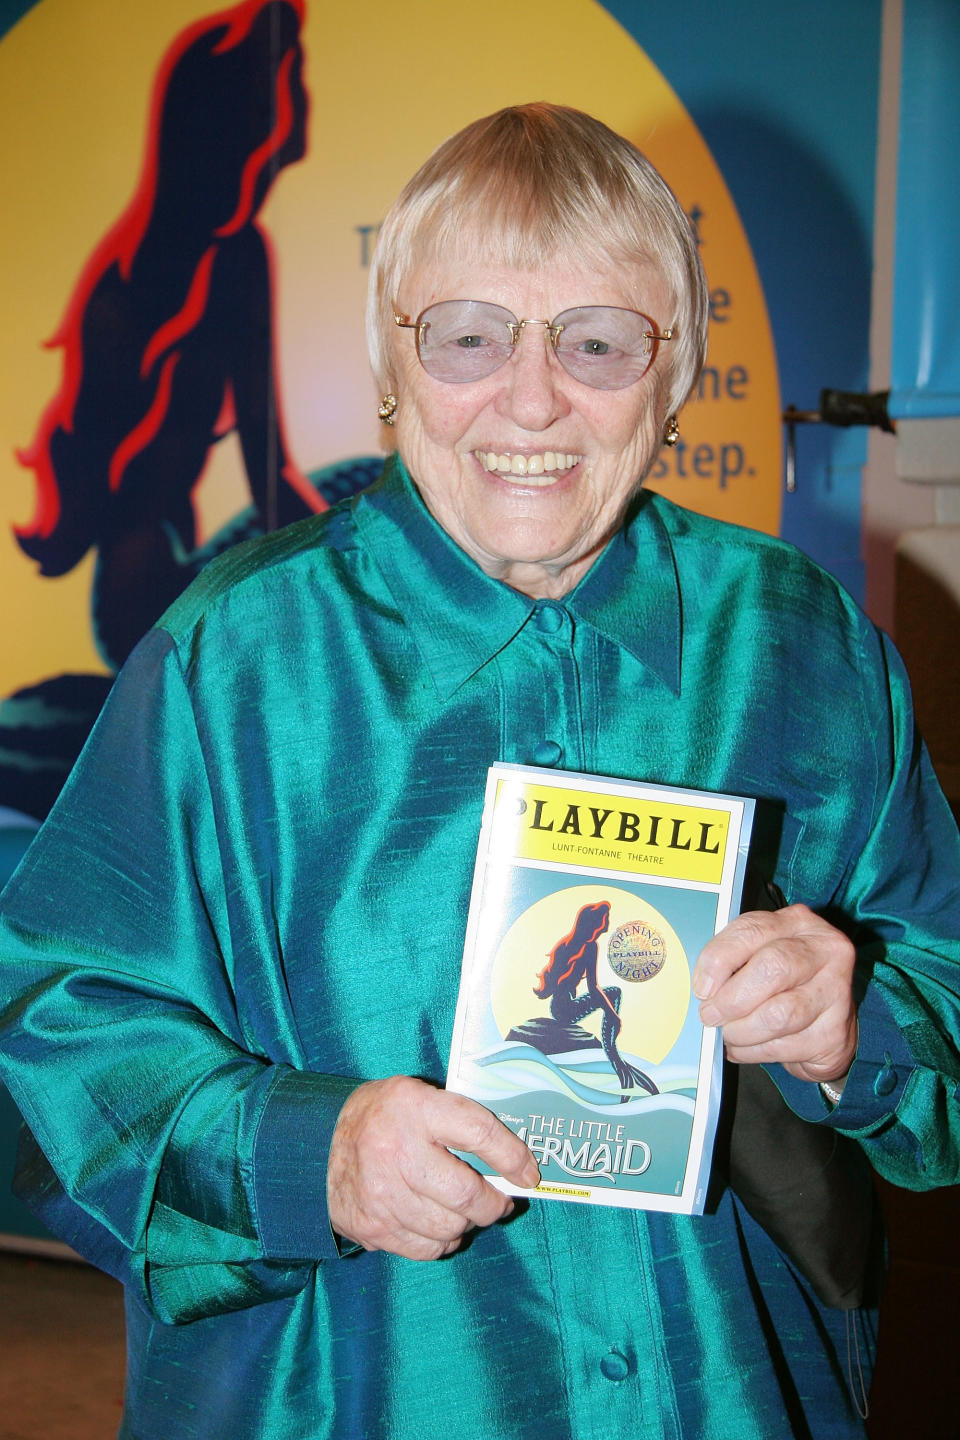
(531, 1175)
(703, 986)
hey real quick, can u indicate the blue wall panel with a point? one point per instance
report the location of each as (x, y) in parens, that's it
(926, 312)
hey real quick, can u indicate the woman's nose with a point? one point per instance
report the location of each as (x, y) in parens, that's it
(532, 394)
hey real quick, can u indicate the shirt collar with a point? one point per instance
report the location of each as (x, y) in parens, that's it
(460, 617)
(632, 593)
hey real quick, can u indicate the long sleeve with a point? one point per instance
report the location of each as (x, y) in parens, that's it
(200, 1155)
(900, 902)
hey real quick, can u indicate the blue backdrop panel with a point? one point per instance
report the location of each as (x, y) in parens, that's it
(786, 97)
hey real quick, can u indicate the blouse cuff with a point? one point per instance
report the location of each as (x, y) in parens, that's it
(290, 1165)
(877, 1078)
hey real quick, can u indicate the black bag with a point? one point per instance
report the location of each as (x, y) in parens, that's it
(810, 1187)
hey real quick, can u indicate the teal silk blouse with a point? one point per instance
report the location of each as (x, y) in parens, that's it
(252, 895)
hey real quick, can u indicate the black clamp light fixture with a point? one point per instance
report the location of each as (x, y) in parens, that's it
(837, 407)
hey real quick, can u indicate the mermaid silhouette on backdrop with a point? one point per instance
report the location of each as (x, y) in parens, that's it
(167, 339)
(168, 346)
(573, 960)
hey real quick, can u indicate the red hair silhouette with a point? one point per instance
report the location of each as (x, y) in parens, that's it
(566, 956)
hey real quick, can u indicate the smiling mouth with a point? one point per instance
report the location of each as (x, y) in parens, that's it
(542, 468)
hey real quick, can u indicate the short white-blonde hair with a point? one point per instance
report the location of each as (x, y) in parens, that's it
(525, 185)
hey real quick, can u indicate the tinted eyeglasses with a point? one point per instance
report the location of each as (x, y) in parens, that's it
(601, 345)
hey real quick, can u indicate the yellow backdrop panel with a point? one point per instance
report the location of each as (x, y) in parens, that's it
(387, 82)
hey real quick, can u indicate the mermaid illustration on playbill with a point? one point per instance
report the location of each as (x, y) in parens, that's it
(576, 1023)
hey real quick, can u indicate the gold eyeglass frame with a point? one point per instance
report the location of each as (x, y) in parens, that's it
(516, 328)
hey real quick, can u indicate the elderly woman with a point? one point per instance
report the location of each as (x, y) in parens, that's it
(231, 957)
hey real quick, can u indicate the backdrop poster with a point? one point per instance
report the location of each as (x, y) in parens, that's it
(201, 192)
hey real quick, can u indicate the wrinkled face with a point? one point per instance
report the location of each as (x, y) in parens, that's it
(529, 470)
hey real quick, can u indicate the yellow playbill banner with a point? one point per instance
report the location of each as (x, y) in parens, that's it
(586, 827)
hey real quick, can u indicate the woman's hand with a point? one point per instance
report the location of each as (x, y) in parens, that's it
(392, 1184)
(780, 985)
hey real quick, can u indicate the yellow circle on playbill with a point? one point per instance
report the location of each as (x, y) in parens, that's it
(652, 1014)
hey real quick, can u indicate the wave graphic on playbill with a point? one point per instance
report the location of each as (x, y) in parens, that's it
(584, 1076)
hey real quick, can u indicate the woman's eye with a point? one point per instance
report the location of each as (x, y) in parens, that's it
(471, 342)
(594, 347)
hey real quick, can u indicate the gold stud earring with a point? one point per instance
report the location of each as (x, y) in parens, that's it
(387, 409)
(672, 433)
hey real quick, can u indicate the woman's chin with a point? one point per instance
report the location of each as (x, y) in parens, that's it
(542, 561)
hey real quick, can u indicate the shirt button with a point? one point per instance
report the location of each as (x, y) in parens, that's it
(886, 1081)
(547, 752)
(550, 618)
(614, 1366)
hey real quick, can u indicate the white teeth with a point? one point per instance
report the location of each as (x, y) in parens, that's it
(549, 464)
